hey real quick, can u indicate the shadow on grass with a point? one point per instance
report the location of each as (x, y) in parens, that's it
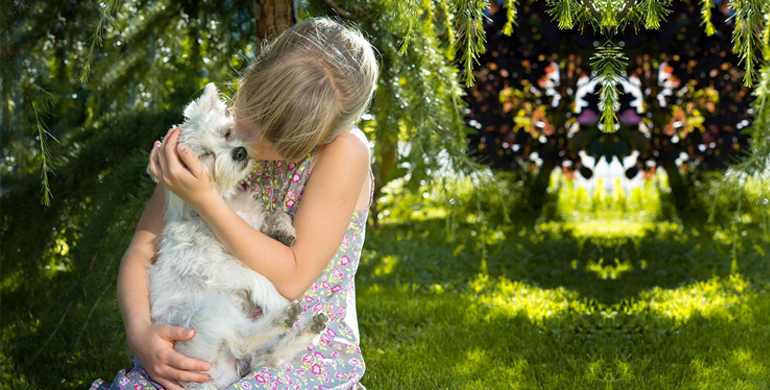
(607, 263)
(555, 310)
(432, 340)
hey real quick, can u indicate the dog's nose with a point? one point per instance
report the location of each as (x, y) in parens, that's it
(240, 154)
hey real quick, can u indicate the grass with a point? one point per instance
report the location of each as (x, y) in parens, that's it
(606, 294)
(661, 311)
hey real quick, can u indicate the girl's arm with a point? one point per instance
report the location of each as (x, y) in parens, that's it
(340, 171)
(152, 344)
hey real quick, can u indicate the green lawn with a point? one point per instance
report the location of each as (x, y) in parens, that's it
(606, 296)
(597, 305)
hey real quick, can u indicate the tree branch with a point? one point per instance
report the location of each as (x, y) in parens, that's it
(591, 8)
(340, 10)
(626, 8)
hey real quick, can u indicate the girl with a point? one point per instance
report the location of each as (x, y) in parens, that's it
(298, 104)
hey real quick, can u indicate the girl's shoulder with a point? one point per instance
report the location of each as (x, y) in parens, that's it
(350, 146)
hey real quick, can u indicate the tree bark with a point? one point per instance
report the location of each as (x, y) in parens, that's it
(540, 186)
(272, 17)
(679, 189)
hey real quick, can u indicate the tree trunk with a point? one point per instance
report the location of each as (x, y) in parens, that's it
(540, 186)
(386, 156)
(272, 17)
(679, 190)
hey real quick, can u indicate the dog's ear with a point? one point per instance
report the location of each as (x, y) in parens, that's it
(209, 101)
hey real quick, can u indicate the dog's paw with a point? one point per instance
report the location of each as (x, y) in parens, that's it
(292, 314)
(279, 227)
(319, 322)
(285, 237)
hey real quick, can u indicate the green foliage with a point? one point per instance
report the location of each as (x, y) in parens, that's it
(510, 7)
(107, 9)
(563, 11)
(654, 11)
(706, 6)
(750, 19)
(40, 104)
(609, 63)
(471, 38)
(641, 204)
(60, 263)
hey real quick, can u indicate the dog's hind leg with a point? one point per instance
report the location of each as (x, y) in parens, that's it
(293, 343)
(269, 327)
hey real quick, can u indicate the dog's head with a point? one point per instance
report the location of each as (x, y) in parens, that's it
(207, 130)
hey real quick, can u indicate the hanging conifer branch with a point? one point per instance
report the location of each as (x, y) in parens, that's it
(108, 7)
(449, 29)
(510, 8)
(706, 6)
(41, 100)
(563, 11)
(609, 63)
(405, 16)
(655, 11)
(471, 37)
(749, 22)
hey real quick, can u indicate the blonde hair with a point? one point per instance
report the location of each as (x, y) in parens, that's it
(308, 85)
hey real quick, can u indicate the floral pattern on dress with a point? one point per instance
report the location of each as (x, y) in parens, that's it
(335, 362)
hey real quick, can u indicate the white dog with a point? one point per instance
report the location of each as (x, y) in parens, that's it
(236, 313)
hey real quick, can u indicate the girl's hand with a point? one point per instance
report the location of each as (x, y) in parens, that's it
(174, 165)
(154, 347)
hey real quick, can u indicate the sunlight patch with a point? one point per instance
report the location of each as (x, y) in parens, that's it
(386, 266)
(518, 298)
(609, 271)
(708, 298)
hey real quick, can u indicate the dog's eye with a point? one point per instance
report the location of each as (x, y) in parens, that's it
(227, 135)
(207, 154)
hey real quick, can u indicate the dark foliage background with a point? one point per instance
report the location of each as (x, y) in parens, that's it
(704, 73)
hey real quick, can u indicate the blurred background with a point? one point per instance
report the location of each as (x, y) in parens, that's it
(569, 193)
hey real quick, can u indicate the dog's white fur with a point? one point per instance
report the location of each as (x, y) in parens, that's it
(195, 283)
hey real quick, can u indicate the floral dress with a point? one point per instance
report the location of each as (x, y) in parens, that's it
(336, 362)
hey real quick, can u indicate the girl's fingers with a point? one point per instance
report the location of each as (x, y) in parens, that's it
(173, 333)
(173, 163)
(162, 160)
(190, 376)
(178, 333)
(190, 364)
(153, 167)
(169, 144)
(189, 159)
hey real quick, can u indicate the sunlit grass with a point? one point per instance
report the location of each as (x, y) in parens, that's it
(581, 303)
(590, 299)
